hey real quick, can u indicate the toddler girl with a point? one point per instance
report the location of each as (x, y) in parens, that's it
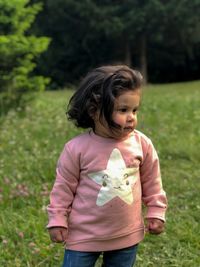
(105, 174)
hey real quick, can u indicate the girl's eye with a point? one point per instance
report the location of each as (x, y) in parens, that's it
(135, 110)
(123, 110)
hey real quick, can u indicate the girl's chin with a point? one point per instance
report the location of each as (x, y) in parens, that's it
(127, 131)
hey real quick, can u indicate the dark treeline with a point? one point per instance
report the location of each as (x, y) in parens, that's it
(161, 38)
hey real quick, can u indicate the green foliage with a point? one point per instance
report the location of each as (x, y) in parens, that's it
(158, 37)
(18, 53)
(29, 148)
(184, 21)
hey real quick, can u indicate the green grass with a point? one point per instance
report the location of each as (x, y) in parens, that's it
(31, 142)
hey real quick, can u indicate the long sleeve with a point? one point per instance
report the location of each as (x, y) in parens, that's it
(153, 195)
(62, 194)
(98, 193)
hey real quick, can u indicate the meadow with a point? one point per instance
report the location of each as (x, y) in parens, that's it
(31, 141)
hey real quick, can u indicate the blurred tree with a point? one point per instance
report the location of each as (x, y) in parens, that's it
(132, 23)
(136, 32)
(92, 32)
(184, 34)
(176, 55)
(18, 52)
(76, 45)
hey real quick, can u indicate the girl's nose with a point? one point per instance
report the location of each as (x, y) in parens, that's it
(131, 117)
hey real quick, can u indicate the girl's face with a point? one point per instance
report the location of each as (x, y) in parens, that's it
(124, 114)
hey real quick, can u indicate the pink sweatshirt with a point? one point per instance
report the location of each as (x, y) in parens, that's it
(99, 189)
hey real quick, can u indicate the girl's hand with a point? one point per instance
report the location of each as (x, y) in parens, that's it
(155, 226)
(58, 234)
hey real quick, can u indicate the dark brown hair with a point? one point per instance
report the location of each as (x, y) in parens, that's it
(98, 91)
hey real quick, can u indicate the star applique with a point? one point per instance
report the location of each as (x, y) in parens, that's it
(116, 180)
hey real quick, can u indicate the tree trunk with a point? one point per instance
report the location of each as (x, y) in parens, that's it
(143, 57)
(127, 53)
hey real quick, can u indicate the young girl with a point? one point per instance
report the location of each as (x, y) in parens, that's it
(105, 174)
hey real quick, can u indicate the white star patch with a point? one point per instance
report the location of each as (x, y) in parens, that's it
(116, 180)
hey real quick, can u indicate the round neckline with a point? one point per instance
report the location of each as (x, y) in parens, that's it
(99, 138)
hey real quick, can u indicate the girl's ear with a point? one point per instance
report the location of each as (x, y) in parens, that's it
(94, 113)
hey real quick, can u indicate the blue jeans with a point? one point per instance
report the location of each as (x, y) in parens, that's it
(115, 258)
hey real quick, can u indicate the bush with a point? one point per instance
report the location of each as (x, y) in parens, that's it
(18, 53)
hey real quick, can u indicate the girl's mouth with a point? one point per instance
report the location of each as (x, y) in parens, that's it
(129, 128)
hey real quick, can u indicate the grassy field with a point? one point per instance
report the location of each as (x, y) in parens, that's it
(31, 142)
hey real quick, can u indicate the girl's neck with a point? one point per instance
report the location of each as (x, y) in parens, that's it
(108, 138)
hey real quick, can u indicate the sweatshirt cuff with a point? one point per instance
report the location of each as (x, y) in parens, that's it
(57, 222)
(155, 212)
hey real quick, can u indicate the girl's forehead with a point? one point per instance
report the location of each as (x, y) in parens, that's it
(128, 94)
(128, 98)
